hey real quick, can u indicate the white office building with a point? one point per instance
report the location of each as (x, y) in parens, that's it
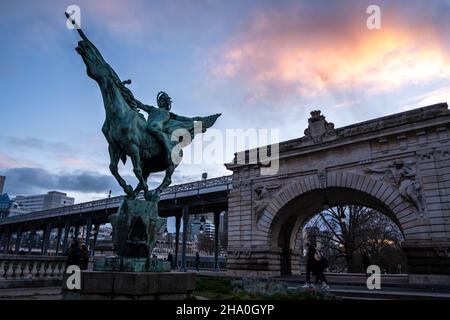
(52, 199)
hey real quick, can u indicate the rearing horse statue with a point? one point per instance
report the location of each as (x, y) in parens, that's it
(149, 142)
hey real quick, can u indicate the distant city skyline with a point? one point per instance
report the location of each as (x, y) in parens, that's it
(262, 64)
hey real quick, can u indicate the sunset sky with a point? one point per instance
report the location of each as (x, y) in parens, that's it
(262, 64)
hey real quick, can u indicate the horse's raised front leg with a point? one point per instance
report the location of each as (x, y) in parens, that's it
(137, 169)
(114, 158)
(166, 181)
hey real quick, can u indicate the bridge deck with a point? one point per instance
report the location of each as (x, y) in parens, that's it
(206, 194)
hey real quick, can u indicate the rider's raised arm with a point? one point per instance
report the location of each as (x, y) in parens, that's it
(144, 107)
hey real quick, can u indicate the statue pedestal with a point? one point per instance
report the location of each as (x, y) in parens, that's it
(135, 227)
(125, 264)
(97, 285)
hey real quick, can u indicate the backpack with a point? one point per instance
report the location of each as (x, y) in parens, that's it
(324, 262)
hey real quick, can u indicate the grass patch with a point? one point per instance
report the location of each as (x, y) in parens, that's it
(225, 289)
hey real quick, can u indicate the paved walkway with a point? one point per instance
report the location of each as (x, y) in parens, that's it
(385, 293)
(47, 293)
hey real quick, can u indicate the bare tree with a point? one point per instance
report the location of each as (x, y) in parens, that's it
(348, 232)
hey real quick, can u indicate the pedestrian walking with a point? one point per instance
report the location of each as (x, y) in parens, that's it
(74, 257)
(84, 263)
(74, 254)
(321, 263)
(310, 264)
(197, 261)
(365, 261)
(170, 259)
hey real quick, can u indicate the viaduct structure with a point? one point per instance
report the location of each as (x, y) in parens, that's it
(180, 201)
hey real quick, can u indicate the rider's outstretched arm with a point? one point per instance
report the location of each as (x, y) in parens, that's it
(180, 118)
(144, 107)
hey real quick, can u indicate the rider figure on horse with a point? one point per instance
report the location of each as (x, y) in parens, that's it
(157, 118)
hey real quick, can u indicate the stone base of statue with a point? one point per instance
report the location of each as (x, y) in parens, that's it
(97, 285)
(125, 264)
(132, 274)
(135, 226)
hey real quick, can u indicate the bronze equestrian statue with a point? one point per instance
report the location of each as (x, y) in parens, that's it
(149, 143)
(153, 145)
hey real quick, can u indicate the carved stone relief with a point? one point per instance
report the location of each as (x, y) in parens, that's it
(262, 198)
(402, 176)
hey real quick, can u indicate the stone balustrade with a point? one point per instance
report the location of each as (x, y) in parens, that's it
(29, 267)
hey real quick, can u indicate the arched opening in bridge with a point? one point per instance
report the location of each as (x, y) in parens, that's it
(350, 227)
(352, 237)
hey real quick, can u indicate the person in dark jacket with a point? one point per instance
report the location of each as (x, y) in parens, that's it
(310, 264)
(84, 257)
(74, 254)
(365, 261)
(170, 259)
(197, 261)
(321, 263)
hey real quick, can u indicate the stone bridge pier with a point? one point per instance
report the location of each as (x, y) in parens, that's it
(398, 165)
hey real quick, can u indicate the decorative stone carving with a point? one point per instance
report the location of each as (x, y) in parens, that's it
(403, 177)
(241, 184)
(442, 252)
(322, 176)
(436, 153)
(319, 127)
(242, 254)
(262, 198)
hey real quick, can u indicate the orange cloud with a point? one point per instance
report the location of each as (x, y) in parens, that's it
(276, 53)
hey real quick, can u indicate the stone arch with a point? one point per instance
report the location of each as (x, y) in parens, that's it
(387, 198)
